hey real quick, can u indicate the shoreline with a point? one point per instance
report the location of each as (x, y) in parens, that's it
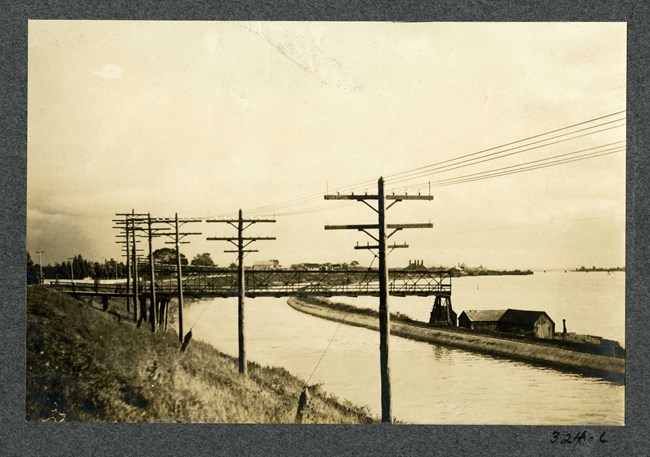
(610, 368)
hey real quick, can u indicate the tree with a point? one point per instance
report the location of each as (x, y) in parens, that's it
(168, 256)
(203, 260)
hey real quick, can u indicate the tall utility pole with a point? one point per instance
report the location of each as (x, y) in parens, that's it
(241, 243)
(177, 237)
(128, 266)
(152, 309)
(40, 266)
(381, 247)
(129, 226)
(71, 259)
(150, 232)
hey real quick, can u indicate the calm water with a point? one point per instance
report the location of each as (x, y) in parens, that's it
(433, 384)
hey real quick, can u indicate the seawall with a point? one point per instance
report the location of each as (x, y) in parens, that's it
(590, 364)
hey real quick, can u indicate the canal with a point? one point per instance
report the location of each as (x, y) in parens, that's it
(435, 384)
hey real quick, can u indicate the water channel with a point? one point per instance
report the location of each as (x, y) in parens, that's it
(435, 384)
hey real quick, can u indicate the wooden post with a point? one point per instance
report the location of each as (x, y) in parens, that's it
(448, 302)
(128, 267)
(179, 281)
(384, 315)
(152, 309)
(41, 280)
(241, 295)
(136, 301)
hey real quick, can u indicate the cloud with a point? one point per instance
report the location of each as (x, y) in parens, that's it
(110, 71)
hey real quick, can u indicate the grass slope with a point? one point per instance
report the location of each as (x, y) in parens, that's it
(87, 365)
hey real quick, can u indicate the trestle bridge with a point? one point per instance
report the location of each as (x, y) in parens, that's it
(200, 282)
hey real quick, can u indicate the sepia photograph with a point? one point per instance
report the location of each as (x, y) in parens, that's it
(318, 222)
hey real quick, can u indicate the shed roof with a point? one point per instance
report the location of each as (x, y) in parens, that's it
(521, 316)
(484, 315)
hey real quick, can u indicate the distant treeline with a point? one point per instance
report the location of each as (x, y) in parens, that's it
(457, 273)
(600, 269)
(109, 269)
(81, 268)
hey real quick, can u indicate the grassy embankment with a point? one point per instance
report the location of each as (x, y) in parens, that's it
(88, 365)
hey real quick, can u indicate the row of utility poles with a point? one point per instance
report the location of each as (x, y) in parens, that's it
(143, 225)
(133, 224)
(136, 225)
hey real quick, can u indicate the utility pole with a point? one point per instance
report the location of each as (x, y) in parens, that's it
(136, 278)
(130, 226)
(177, 237)
(40, 266)
(381, 239)
(152, 309)
(71, 259)
(128, 265)
(150, 232)
(241, 243)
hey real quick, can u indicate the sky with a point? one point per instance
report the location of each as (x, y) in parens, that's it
(205, 118)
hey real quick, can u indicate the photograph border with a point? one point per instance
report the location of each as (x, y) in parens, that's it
(20, 437)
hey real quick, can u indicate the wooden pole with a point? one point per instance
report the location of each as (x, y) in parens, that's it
(152, 309)
(242, 287)
(136, 301)
(71, 259)
(41, 280)
(384, 315)
(179, 280)
(128, 266)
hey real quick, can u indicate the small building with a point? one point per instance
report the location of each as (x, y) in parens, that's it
(525, 322)
(266, 265)
(482, 320)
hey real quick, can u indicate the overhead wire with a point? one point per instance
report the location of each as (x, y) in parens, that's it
(517, 141)
(485, 174)
(478, 174)
(590, 156)
(450, 163)
(496, 156)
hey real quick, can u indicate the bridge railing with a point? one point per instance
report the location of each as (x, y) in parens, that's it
(221, 282)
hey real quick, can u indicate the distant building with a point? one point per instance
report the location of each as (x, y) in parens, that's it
(534, 323)
(416, 265)
(266, 265)
(307, 266)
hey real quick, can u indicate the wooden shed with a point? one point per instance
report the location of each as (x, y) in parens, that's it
(522, 321)
(481, 319)
(533, 323)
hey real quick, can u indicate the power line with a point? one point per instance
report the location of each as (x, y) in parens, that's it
(437, 183)
(420, 171)
(521, 141)
(486, 174)
(559, 162)
(495, 156)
